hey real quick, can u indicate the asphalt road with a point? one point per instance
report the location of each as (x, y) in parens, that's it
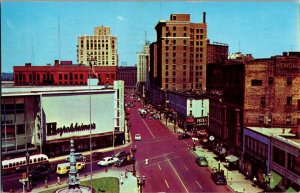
(171, 165)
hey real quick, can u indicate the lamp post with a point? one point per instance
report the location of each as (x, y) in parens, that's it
(141, 183)
(219, 163)
(133, 150)
(27, 165)
(267, 180)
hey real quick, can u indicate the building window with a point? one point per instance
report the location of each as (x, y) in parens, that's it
(288, 120)
(263, 101)
(20, 129)
(298, 101)
(81, 76)
(289, 101)
(271, 80)
(174, 42)
(256, 82)
(261, 119)
(277, 156)
(289, 80)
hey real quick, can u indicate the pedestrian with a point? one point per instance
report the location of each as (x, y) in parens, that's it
(146, 162)
(58, 180)
(254, 181)
(121, 179)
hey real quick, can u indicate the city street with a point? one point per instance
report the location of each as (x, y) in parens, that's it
(171, 166)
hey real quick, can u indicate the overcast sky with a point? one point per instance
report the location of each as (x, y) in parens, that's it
(40, 32)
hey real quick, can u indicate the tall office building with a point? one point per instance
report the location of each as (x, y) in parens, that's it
(181, 53)
(143, 59)
(99, 49)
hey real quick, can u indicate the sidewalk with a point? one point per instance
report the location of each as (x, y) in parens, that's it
(129, 184)
(235, 180)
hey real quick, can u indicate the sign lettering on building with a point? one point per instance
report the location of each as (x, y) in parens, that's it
(287, 68)
(52, 128)
(202, 121)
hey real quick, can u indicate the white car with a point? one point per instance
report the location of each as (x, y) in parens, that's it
(107, 161)
(138, 137)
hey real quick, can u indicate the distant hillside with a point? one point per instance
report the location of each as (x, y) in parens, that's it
(7, 76)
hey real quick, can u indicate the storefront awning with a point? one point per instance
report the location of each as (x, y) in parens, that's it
(231, 158)
(275, 179)
(290, 190)
(190, 120)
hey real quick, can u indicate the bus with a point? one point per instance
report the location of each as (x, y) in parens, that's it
(19, 164)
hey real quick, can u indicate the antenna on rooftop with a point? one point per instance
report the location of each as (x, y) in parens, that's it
(145, 37)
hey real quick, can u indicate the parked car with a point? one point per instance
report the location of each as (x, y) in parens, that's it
(202, 161)
(39, 172)
(121, 154)
(78, 157)
(124, 161)
(137, 137)
(107, 161)
(183, 136)
(218, 177)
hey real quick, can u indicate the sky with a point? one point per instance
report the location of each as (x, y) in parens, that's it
(40, 32)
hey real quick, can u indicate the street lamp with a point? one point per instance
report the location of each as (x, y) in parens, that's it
(141, 183)
(27, 165)
(267, 180)
(133, 151)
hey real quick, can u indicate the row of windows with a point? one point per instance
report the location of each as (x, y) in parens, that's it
(257, 82)
(270, 120)
(184, 28)
(289, 103)
(260, 149)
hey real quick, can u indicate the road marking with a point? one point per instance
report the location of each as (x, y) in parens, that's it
(163, 161)
(178, 176)
(167, 183)
(148, 129)
(159, 166)
(186, 168)
(199, 184)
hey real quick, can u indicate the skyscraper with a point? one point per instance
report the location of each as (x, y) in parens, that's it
(99, 49)
(181, 53)
(143, 66)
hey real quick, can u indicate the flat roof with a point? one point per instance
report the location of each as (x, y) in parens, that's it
(283, 134)
(36, 90)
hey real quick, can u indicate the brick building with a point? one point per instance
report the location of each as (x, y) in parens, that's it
(62, 73)
(129, 75)
(181, 53)
(272, 96)
(216, 52)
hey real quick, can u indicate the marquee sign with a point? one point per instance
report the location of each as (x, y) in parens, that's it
(202, 121)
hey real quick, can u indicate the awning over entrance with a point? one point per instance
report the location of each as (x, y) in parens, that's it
(231, 158)
(190, 120)
(290, 190)
(275, 179)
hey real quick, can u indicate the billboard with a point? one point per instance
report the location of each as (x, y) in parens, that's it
(73, 115)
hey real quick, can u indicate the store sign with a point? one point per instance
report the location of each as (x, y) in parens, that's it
(52, 128)
(201, 121)
(286, 68)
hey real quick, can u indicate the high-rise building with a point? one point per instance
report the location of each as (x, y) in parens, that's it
(99, 49)
(143, 66)
(181, 53)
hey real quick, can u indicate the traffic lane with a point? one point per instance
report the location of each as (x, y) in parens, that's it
(198, 178)
(160, 175)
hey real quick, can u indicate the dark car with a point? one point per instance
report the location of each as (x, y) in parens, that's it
(202, 161)
(121, 154)
(218, 177)
(39, 173)
(184, 136)
(78, 157)
(124, 161)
